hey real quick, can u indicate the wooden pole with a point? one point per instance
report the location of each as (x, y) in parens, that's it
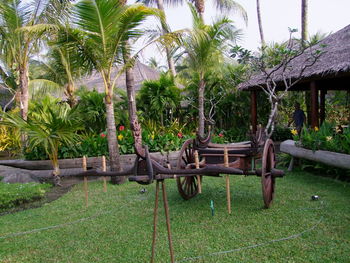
(104, 169)
(314, 105)
(228, 193)
(253, 109)
(196, 160)
(167, 218)
(323, 105)
(155, 221)
(85, 182)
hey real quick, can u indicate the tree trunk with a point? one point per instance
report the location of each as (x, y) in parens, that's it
(114, 157)
(260, 23)
(70, 94)
(304, 24)
(170, 59)
(56, 174)
(23, 85)
(130, 90)
(24, 99)
(304, 14)
(201, 118)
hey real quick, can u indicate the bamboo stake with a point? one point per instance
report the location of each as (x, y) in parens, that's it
(104, 169)
(155, 221)
(167, 218)
(85, 182)
(228, 193)
(196, 160)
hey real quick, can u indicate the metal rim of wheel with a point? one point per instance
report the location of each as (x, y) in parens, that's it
(267, 180)
(187, 186)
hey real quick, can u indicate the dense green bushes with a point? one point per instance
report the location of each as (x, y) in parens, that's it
(12, 195)
(96, 144)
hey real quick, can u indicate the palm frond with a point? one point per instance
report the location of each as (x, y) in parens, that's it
(38, 29)
(231, 5)
(39, 88)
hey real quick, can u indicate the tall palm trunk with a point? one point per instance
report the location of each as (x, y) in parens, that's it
(132, 109)
(24, 99)
(113, 148)
(304, 15)
(170, 59)
(260, 23)
(23, 85)
(304, 24)
(201, 117)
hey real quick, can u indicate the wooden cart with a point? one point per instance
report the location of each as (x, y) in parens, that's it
(241, 159)
(197, 158)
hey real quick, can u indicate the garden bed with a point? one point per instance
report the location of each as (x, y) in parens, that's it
(330, 158)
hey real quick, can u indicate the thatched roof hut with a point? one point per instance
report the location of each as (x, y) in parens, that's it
(333, 64)
(141, 73)
(330, 72)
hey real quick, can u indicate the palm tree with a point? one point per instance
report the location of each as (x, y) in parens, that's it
(221, 5)
(57, 71)
(153, 63)
(203, 45)
(22, 25)
(260, 23)
(49, 126)
(102, 29)
(304, 15)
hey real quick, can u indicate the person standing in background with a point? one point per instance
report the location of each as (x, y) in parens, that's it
(298, 117)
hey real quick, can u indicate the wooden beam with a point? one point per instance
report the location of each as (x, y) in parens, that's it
(314, 105)
(330, 158)
(253, 110)
(323, 93)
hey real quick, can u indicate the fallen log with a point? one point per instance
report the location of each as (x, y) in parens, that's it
(339, 160)
(127, 160)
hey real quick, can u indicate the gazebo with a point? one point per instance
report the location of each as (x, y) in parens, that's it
(330, 72)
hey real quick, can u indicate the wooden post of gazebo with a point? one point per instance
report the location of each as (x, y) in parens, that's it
(253, 110)
(314, 105)
(323, 93)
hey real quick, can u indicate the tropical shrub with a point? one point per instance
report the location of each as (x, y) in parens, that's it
(96, 144)
(159, 99)
(10, 140)
(50, 125)
(92, 110)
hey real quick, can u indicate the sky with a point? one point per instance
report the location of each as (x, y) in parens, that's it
(277, 15)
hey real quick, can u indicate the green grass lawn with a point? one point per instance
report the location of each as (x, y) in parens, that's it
(12, 195)
(117, 226)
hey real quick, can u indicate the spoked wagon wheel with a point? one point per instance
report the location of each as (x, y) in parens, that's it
(187, 186)
(267, 180)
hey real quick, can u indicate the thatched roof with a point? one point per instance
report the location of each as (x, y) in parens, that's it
(334, 63)
(141, 73)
